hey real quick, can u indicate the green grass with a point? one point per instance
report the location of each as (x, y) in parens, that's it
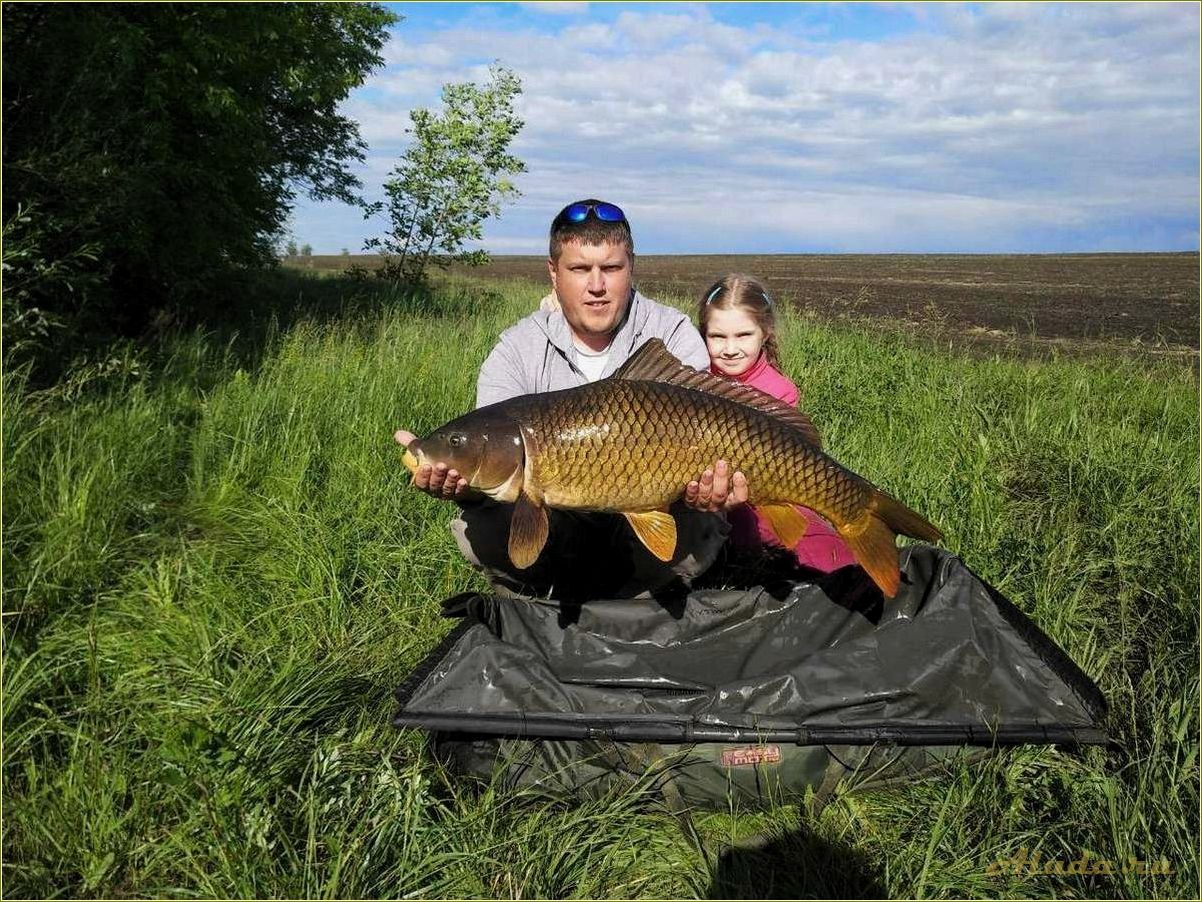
(215, 575)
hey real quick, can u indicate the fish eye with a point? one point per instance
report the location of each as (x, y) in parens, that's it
(457, 439)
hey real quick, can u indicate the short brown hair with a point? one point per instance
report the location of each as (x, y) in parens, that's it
(590, 230)
(736, 291)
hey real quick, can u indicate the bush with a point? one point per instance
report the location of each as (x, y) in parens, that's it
(149, 146)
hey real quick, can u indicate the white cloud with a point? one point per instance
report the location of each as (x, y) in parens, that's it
(595, 36)
(555, 8)
(990, 120)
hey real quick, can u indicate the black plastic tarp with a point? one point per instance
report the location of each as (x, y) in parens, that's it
(810, 661)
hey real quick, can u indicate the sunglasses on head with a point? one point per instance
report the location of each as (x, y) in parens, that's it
(604, 212)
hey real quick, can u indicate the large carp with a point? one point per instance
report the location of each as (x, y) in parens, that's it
(630, 444)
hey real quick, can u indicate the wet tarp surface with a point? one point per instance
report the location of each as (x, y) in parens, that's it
(949, 661)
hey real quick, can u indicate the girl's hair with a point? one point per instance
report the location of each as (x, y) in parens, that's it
(736, 291)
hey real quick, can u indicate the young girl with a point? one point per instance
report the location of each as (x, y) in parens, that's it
(738, 323)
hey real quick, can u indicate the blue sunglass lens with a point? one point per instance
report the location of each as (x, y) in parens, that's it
(604, 212)
(609, 213)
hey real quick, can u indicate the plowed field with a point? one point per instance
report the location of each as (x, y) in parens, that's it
(1128, 301)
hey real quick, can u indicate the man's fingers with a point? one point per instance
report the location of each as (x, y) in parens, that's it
(437, 477)
(738, 491)
(690, 492)
(403, 437)
(721, 484)
(439, 481)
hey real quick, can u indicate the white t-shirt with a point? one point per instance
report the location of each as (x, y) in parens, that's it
(592, 363)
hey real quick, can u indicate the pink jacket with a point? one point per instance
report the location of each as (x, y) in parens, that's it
(767, 379)
(820, 548)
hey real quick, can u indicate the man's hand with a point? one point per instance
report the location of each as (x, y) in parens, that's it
(717, 489)
(437, 480)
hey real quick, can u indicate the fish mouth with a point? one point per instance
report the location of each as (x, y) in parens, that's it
(409, 461)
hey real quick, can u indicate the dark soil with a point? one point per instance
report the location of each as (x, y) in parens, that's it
(1140, 302)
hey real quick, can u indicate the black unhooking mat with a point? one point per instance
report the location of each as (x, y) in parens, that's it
(754, 693)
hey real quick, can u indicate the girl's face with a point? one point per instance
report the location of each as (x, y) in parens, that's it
(734, 341)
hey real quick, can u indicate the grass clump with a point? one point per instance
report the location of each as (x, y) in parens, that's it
(215, 575)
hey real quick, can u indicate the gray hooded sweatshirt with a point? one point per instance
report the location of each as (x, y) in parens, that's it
(588, 555)
(536, 354)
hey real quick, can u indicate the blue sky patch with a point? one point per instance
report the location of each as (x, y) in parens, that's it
(793, 128)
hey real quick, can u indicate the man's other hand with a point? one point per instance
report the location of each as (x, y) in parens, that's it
(438, 480)
(717, 489)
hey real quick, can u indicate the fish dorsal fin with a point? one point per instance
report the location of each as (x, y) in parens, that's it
(653, 362)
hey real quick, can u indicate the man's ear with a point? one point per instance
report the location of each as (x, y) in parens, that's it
(551, 273)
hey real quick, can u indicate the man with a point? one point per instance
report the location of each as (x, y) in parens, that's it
(587, 328)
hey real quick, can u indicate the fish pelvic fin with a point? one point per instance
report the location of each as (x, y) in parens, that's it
(786, 521)
(873, 538)
(656, 530)
(528, 530)
(653, 362)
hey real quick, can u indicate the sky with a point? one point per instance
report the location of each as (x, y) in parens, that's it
(814, 127)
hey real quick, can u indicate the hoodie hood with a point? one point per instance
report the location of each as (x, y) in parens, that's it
(625, 338)
(536, 354)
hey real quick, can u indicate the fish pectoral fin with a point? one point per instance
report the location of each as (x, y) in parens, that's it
(656, 530)
(528, 531)
(786, 521)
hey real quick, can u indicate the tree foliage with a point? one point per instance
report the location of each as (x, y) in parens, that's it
(453, 177)
(158, 143)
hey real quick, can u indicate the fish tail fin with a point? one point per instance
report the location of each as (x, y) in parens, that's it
(902, 520)
(873, 538)
(874, 545)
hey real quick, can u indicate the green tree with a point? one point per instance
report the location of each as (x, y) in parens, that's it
(166, 141)
(290, 248)
(306, 250)
(454, 176)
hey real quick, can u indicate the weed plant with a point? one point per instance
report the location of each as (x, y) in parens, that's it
(215, 574)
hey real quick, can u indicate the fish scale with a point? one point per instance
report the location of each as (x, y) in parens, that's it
(633, 445)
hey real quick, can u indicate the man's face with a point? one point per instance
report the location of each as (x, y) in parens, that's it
(592, 282)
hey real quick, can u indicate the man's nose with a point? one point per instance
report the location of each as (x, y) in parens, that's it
(596, 281)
